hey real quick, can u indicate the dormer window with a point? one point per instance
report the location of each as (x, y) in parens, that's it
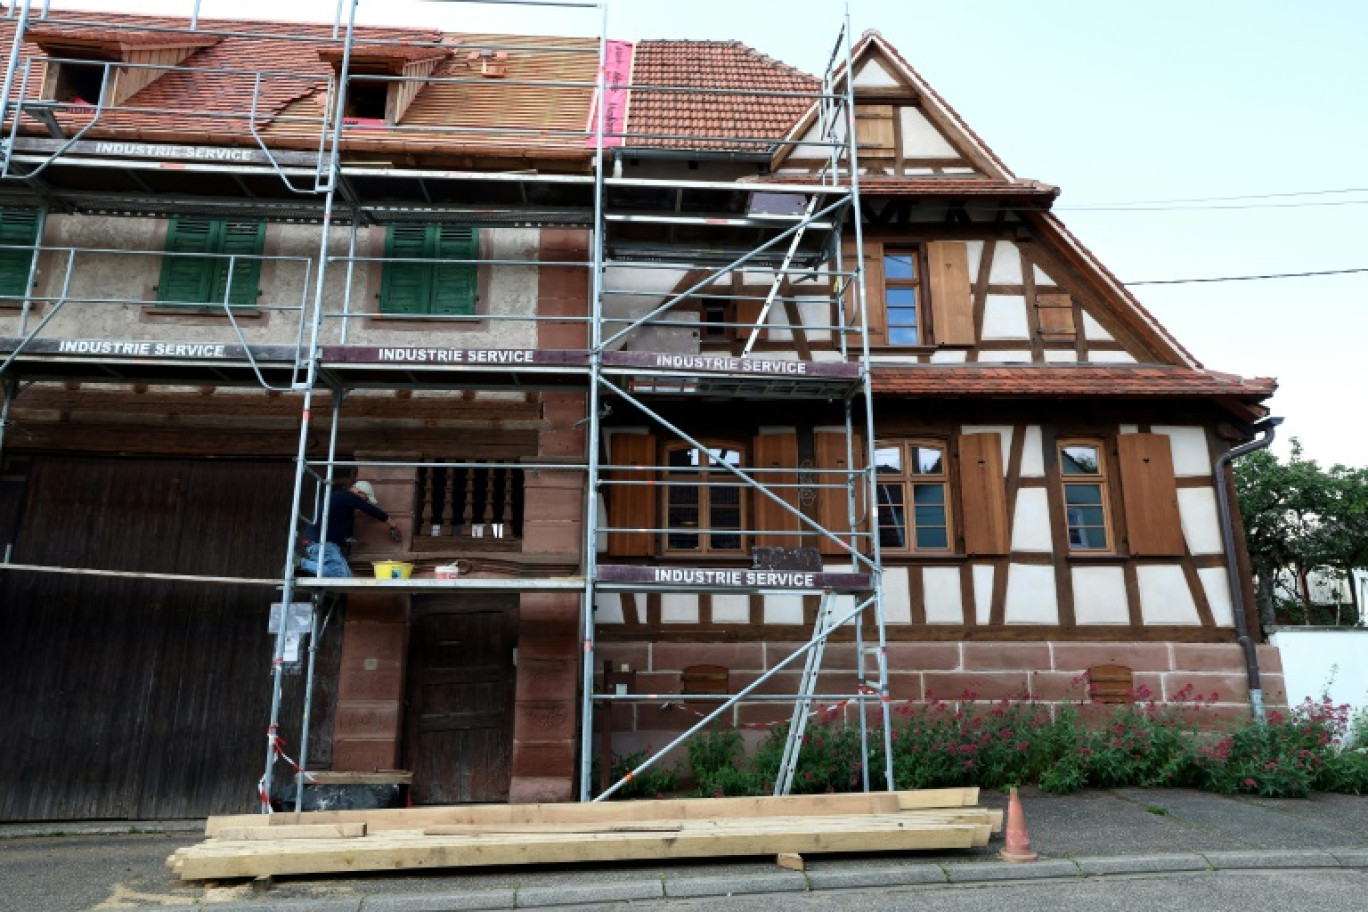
(383, 80)
(89, 66)
(76, 83)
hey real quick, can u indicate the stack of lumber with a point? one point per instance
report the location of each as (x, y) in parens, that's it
(331, 842)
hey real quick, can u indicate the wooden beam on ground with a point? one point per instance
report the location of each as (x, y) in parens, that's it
(300, 831)
(790, 860)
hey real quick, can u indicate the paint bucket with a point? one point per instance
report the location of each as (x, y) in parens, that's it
(447, 571)
(393, 570)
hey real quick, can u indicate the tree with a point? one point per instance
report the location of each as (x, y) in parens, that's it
(1299, 519)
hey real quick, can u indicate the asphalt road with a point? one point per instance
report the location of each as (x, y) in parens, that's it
(1246, 891)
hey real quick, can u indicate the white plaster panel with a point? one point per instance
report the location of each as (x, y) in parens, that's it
(1004, 317)
(983, 593)
(872, 75)
(975, 252)
(958, 169)
(920, 137)
(1032, 453)
(1164, 595)
(1129, 429)
(1006, 265)
(784, 609)
(948, 356)
(1201, 521)
(1040, 276)
(1031, 595)
(815, 312)
(608, 608)
(1099, 595)
(1216, 584)
(1189, 444)
(1004, 432)
(1111, 357)
(1020, 356)
(1031, 524)
(679, 608)
(1093, 330)
(897, 596)
(1059, 356)
(943, 599)
(730, 608)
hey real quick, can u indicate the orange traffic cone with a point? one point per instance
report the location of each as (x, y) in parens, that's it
(1018, 840)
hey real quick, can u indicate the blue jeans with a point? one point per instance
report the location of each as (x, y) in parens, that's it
(334, 564)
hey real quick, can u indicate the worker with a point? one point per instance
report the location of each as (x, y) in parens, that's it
(346, 497)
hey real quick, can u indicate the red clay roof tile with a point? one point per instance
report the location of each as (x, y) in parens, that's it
(1087, 380)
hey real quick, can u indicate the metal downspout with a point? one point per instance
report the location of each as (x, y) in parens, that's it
(1269, 427)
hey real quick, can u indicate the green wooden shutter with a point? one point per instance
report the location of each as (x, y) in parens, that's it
(244, 239)
(18, 227)
(187, 280)
(404, 289)
(454, 284)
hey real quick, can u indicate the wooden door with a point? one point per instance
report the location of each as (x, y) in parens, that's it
(461, 681)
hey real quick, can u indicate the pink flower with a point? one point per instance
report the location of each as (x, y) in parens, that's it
(1250, 783)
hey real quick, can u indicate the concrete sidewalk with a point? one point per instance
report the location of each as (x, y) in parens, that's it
(1096, 833)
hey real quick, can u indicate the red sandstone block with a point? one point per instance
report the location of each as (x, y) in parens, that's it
(732, 656)
(534, 644)
(952, 685)
(672, 718)
(1062, 685)
(1274, 691)
(657, 682)
(1078, 657)
(377, 608)
(924, 656)
(541, 790)
(564, 335)
(356, 756)
(383, 643)
(367, 719)
(553, 608)
(1208, 657)
(1227, 688)
(555, 505)
(544, 759)
(636, 656)
(546, 679)
(902, 687)
(544, 720)
(384, 682)
(1270, 659)
(624, 717)
(1006, 656)
(765, 714)
(557, 538)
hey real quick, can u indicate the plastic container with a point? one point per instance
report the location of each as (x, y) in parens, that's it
(447, 571)
(393, 570)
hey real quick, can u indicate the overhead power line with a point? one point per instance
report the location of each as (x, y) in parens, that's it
(1165, 208)
(1251, 278)
(1226, 199)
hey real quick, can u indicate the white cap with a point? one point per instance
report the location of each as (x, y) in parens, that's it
(365, 490)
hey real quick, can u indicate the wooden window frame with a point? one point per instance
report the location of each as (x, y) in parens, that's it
(703, 532)
(1102, 481)
(908, 481)
(917, 285)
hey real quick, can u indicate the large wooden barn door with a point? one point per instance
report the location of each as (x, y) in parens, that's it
(125, 698)
(461, 678)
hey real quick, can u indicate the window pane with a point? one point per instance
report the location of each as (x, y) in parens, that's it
(900, 266)
(929, 461)
(932, 538)
(1086, 516)
(1082, 494)
(892, 517)
(726, 455)
(682, 513)
(1079, 460)
(682, 458)
(901, 297)
(888, 460)
(724, 512)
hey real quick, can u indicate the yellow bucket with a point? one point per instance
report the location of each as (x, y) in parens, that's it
(393, 570)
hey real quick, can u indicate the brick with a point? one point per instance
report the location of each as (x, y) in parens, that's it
(544, 720)
(732, 656)
(541, 790)
(544, 759)
(952, 685)
(924, 656)
(1208, 657)
(1228, 688)
(1077, 657)
(546, 679)
(1006, 656)
(354, 756)
(366, 719)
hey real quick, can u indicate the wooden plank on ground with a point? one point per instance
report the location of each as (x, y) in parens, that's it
(462, 829)
(621, 811)
(298, 831)
(214, 859)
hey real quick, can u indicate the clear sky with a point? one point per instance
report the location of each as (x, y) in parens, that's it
(1114, 103)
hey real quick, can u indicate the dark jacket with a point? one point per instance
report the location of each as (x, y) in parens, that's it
(342, 507)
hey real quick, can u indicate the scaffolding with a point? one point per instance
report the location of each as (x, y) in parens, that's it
(758, 257)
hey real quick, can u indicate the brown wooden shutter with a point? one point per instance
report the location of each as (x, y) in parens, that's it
(1150, 495)
(874, 134)
(776, 451)
(830, 450)
(952, 301)
(1056, 316)
(874, 287)
(983, 494)
(747, 312)
(631, 505)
